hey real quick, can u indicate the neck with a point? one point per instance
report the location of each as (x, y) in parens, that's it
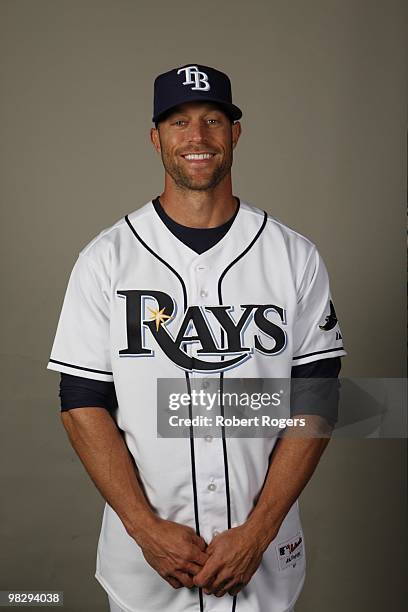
(199, 208)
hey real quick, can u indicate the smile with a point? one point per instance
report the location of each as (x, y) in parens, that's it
(198, 156)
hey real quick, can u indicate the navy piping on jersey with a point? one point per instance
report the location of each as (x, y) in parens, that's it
(70, 365)
(192, 451)
(332, 350)
(146, 246)
(224, 442)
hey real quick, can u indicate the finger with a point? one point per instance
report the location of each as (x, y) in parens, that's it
(192, 568)
(208, 573)
(199, 557)
(200, 542)
(221, 580)
(236, 589)
(208, 587)
(174, 582)
(227, 585)
(185, 579)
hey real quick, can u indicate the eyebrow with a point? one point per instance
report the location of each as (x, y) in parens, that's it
(186, 113)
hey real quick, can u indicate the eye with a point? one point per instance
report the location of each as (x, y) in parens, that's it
(179, 122)
(213, 121)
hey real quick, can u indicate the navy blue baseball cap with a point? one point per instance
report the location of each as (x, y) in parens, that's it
(193, 83)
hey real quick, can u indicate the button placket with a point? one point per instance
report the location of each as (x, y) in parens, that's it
(201, 272)
(201, 267)
(208, 454)
(210, 475)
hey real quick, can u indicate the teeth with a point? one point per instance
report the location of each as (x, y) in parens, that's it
(199, 156)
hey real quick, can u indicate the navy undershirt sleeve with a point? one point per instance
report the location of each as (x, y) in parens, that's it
(315, 389)
(77, 392)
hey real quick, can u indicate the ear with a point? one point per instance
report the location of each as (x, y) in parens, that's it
(155, 138)
(236, 133)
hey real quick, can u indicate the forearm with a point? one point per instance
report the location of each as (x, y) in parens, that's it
(292, 464)
(100, 446)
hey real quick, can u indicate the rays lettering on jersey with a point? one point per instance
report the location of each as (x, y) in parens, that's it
(199, 325)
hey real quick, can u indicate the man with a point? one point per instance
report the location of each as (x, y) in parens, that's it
(200, 287)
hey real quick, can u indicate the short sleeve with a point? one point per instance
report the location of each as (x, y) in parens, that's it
(82, 341)
(317, 333)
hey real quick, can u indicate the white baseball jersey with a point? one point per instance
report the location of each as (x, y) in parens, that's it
(274, 289)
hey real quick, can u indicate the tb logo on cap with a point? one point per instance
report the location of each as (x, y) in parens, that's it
(195, 77)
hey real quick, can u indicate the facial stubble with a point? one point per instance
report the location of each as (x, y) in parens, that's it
(187, 181)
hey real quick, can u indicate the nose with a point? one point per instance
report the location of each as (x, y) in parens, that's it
(197, 131)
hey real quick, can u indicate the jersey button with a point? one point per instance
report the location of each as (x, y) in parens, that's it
(215, 532)
(201, 268)
(205, 384)
(208, 438)
(203, 293)
(212, 486)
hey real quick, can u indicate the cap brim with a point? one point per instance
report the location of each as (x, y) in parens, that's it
(230, 109)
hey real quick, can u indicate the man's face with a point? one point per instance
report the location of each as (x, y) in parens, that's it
(192, 129)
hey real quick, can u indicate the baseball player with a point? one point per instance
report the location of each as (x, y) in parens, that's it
(200, 286)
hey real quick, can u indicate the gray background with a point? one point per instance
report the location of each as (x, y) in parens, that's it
(323, 88)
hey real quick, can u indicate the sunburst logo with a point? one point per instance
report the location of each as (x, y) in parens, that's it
(158, 316)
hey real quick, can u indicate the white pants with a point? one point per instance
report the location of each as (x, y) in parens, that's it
(115, 608)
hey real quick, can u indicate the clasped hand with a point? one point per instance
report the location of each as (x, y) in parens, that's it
(183, 558)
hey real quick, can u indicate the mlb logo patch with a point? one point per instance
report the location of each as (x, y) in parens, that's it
(290, 552)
